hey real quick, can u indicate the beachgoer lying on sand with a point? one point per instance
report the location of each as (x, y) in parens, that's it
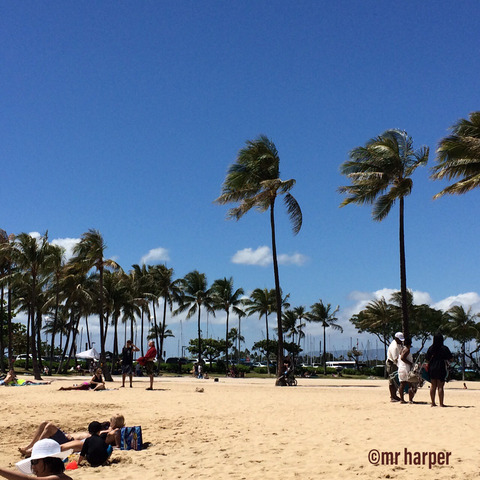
(11, 380)
(75, 440)
(96, 383)
(46, 462)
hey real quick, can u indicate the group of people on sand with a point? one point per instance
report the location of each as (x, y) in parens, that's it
(50, 446)
(97, 382)
(400, 361)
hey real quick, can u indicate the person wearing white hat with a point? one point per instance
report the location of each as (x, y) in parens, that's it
(46, 462)
(393, 353)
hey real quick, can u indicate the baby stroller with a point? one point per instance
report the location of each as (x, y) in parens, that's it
(415, 380)
(288, 378)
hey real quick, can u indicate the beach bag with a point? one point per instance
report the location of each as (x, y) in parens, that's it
(131, 438)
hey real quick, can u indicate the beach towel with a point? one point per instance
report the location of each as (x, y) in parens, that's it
(131, 438)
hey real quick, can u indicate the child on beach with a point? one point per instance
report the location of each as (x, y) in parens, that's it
(95, 449)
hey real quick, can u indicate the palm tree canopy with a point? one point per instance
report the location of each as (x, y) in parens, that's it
(224, 296)
(380, 171)
(195, 294)
(253, 182)
(321, 313)
(458, 156)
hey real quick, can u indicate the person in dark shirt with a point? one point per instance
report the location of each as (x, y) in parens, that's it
(437, 356)
(127, 361)
(94, 449)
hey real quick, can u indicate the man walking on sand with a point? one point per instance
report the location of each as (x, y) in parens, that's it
(393, 353)
(149, 360)
(127, 361)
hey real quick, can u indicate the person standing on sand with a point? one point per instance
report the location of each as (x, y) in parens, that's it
(46, 462)
(405, 365)
(393, 353)
(149, 360)
(127, 361)
(437, 356)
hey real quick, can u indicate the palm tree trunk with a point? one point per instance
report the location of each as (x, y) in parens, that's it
(103, 357)
(278, 294)
(52, 345)
(324, 350)
(88, 332)
(226, 344)
(199, 338)
(9, 324)
(268, 343)
(403, 272)
(156, 331)
(162, 333)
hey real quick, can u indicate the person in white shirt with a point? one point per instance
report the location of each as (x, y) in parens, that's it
(393, 353)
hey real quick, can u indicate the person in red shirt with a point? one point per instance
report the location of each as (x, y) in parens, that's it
(149, 360)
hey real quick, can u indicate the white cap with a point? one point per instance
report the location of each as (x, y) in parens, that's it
(43, 449)
(400, 336)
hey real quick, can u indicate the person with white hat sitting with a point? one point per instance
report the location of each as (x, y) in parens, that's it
(393, 353)
(46, 462)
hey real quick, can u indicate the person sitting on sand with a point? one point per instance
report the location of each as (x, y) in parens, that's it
(96, 383)
(75, 440)
(95, 450)
(46, 462)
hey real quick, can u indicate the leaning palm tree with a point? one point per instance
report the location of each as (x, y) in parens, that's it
(458, 156)
(254, 182)
(195, 294)
(380, 174)
(321, 313)
(226, 298)
(89, 253)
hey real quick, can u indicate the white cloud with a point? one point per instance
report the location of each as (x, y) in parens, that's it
(295, 259)
(155, 256)
(361, 299)
(262, 256)
(68, 244)
(469, 299)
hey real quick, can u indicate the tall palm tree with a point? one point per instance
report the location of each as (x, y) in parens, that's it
(380, 174)
(262, 302)
(195, 295)
(89, 253)
(31, 255)
(225, 298)
(167, 288)
(321, 313)
(458, 156)
(254, 182)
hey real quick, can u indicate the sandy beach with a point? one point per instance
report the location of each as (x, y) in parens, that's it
(250, 429)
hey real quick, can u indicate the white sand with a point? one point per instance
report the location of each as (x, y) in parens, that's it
(250, 429)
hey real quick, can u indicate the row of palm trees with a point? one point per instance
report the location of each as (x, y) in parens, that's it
(56, 295)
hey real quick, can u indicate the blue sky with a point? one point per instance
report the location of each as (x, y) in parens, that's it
(124, 117)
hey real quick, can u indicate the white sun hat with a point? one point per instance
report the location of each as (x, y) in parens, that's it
(43, 449)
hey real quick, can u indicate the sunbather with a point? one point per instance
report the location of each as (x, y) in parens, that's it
(96, 383)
